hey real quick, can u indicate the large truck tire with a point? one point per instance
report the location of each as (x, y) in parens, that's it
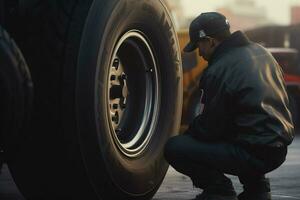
(108, 95)
(16, 90)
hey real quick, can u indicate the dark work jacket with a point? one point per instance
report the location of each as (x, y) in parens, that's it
(244, 98)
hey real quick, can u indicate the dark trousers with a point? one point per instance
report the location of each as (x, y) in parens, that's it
(207, 162)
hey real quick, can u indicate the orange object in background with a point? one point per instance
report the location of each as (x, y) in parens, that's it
(193, 66)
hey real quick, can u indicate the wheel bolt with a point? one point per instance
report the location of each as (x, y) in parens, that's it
(123, 103)
(115, 106)
(149, 70)
(123, 77)
(116, 63)
(115, 118)
(113, 77)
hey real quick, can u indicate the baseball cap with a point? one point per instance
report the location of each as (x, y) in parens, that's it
(205, 25)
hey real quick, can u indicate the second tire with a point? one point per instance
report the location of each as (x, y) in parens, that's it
(108, 95)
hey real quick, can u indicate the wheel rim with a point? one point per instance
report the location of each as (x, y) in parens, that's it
(133, 94)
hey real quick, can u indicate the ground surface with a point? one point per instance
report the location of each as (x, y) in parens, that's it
(285, 182)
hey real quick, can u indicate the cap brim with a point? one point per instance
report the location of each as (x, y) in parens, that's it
(190, 47)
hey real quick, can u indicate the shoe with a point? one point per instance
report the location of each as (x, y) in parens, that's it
(207, 196)
(254, 196)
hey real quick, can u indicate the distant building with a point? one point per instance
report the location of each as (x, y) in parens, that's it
(244, 14)
(295, 14)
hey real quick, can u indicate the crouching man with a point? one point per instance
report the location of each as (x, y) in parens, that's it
(244, 125)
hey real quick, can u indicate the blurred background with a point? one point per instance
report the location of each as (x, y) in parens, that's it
(275, 24)
(242, 14)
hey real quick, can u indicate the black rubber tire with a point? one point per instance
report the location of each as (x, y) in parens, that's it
(70, 153)
(16, 91)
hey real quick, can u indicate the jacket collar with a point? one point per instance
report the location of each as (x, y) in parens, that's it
(237, 39)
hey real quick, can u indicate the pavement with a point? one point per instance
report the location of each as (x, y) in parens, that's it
(285, 182)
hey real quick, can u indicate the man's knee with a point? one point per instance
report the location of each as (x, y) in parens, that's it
(171, 150)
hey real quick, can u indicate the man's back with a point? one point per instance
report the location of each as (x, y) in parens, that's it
(244, 96)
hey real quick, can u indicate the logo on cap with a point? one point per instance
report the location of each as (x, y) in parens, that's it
(202, 34)
(227, 22)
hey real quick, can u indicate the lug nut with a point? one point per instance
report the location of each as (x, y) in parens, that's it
(123, 103)
(116, 63)
(115, 106)
(123, 77)
(113, 77)
(115, 118)
(149, 70)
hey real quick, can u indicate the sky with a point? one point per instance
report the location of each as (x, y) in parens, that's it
(277, 10)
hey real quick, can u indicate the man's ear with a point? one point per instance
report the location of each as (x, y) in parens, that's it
(214, 42)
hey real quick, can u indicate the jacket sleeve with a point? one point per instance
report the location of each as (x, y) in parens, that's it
(200, 125)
